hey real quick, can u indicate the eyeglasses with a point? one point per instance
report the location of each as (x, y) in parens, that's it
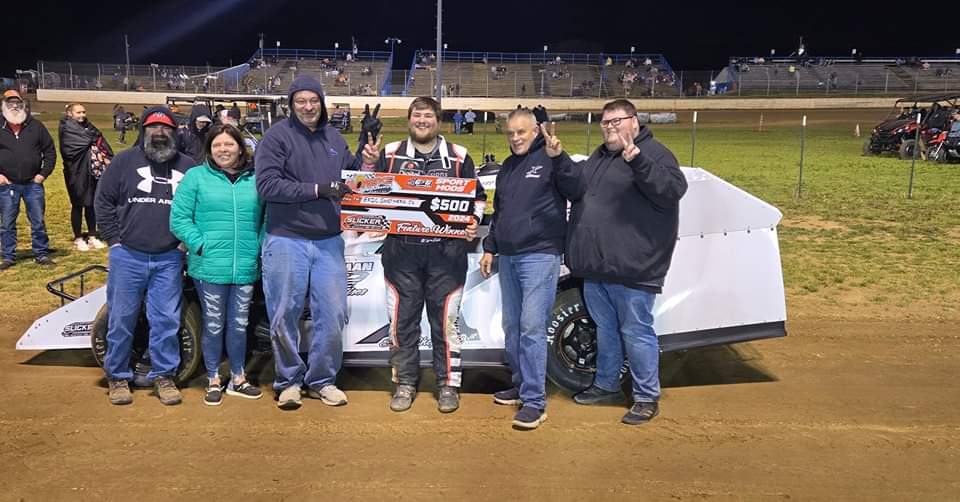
(304, 102)
(615, 122)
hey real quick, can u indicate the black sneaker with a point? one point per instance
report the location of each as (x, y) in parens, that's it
(509, 397)
(403, 397)
(45, 261)
(641, 413)
(448, 399)
(529, 418)
(214, 395)
(596, 395)
(244, 390)
(5, 264)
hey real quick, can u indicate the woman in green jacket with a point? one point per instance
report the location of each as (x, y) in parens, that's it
(218, 216)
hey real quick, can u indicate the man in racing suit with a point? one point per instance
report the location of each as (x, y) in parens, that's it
(426, 270)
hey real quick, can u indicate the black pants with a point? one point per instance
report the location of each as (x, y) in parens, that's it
(418, 274)
(76, 221)
(469, 126)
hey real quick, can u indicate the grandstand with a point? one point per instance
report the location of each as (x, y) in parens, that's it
(342, 73)
(498, 74)
(756, 75)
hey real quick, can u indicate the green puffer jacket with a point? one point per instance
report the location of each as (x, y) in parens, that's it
(220, 223)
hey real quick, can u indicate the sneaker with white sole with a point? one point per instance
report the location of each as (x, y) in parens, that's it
(244, 390)
(329, 395)
(80, 245)
(96, 243)
(529, 418)
(509, 397)
(289, 398)
(213, 395)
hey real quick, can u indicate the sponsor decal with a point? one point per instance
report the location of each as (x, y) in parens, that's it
(438, 230)
(373, 200)
(420, 183)
(357, 272)
(76, 329)
(366, 222)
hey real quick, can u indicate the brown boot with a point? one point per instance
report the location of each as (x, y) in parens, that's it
(120, 392)
(167, 391)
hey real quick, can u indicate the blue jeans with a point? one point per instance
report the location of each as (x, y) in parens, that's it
(528, 287)
(624, 318)
(290, 266)
(226, 311)
(33, 198)
(133, 276)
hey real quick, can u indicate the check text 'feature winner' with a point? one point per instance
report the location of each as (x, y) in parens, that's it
(402, 204)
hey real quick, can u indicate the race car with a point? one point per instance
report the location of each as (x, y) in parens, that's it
(725, 286)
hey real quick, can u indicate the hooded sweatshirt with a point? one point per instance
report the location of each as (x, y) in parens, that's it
(30, 151)
(625, 215)
(530, 212)
(291, 161)
(190, 140)
(134, 197)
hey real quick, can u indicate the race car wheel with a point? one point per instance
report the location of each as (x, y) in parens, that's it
(189, 335)
(867, 149)
(572, 343)
(907, 149)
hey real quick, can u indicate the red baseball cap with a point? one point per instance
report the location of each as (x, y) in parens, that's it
(159, 118)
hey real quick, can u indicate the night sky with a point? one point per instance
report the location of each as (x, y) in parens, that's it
(692, 36)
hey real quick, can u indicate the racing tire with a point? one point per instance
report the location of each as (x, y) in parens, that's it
(907, 148)
(867, 149)
(937, 153)
(572, 344)
(189, 337)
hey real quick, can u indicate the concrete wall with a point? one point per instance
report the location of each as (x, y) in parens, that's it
(395, 105)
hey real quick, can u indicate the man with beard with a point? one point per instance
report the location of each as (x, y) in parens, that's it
(426, 270)
(86, 155)
(190, 139)
(298, 165)
(133, 212)
(29, 160)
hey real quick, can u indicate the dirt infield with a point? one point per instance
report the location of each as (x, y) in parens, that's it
(837, 410)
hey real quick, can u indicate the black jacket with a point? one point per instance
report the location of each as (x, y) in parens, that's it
(31, 152)
(530, 211)
(75, 142)
(190, 140)
(134, 197)
(625, 216)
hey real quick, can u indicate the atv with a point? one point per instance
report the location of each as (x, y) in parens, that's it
(897, 134)
(946, 147)
(725, 286)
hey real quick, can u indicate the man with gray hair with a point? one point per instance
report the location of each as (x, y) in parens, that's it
(27, 158)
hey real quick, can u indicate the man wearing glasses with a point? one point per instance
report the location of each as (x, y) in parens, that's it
(298, 166)
(622, 231)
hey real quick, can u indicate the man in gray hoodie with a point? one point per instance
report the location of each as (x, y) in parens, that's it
(298, 166)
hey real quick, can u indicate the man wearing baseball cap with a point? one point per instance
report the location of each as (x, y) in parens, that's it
(28, 159)
(146, 263)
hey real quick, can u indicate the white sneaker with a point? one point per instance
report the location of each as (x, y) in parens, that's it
(96, 243)
(329, 395)
(81, 244)
(289, 398)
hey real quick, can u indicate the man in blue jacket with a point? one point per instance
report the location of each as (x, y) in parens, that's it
(132, 206)
(298, 166)
(527, 233)
(623, 228)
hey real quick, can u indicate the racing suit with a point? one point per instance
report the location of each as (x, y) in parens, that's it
(426, 270)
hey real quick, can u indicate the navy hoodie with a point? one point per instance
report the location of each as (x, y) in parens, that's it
(133, 198)
(291, 161)
(190, 140)
(530, 212)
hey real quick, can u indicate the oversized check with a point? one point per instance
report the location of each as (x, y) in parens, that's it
(404, 204)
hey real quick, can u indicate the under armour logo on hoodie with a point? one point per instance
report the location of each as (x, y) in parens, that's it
(149, 179)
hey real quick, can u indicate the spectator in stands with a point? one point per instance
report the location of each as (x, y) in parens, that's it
(640, 177)
(86, 154)
(469, 118)
(29, 159)
(190, 139)
(218, 216)
(146, 264)
(457, 122)
(298, 165)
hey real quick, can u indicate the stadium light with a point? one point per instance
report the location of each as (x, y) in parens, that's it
(632, 50)
(772, 52)
(853, 52)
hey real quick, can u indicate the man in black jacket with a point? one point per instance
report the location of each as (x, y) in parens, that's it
(190, 139)
(623, 228)
(28, 159)
(527, 233)
(133, 212)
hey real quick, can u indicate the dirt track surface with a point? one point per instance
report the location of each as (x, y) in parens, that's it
(837, 410)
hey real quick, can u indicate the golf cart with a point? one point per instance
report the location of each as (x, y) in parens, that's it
(725, 286)
(897, 134)
(340, 117)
